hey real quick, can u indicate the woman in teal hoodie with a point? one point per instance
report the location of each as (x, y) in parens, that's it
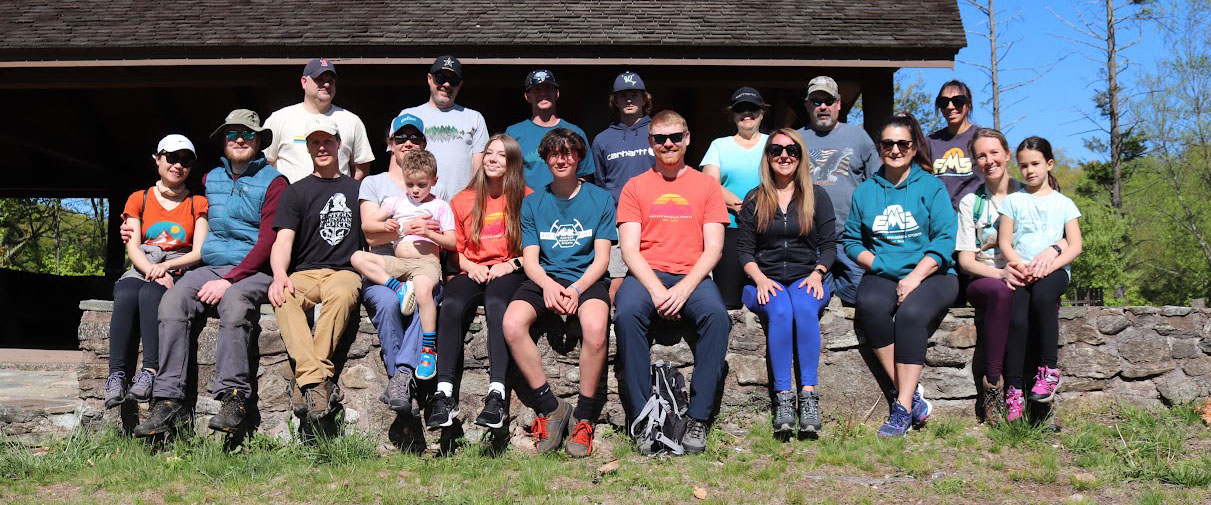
(901, 229)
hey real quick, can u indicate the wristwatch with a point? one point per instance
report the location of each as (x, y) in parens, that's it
(516, 262)
(1057, 249)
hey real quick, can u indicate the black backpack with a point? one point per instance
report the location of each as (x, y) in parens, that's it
(661, 424)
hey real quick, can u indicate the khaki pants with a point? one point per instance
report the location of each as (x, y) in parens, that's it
(338, 291)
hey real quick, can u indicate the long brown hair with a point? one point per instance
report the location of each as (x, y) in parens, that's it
(513, 189)
(1041, 145)
(767, 195)
(905, 119)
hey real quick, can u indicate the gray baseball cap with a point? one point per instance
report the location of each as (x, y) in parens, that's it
(824, 83)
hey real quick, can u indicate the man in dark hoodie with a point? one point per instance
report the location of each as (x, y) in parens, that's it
(622, 150)
(243, 193)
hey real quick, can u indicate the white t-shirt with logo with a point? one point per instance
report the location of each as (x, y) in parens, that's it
(402, 209)
(289, 147)
(453, 135)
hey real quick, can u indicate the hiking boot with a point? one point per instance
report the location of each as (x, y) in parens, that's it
(580, 439)
(784, 411)
(496, 410)
(1015, 405)
(898, 422)
(1046, 383)
(399, 395)
(809, 412)
(696, 432)
(549, 430)
(407, 298)
(921, 408)
(442, 411)
(166, 414)
(320, 399)
(140, 391)
(994, 400)
(298, 400)
(115, 389)
(231, 414)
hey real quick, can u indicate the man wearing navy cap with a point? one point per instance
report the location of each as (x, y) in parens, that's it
(288, 151)
(542, 91)
(457, 135)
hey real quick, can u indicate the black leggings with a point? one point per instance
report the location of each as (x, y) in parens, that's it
(1036, 307)
(727, 273)
(881, 321)
(459, 299)
(135, 299)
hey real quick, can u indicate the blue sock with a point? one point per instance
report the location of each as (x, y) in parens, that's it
(429, 339)
(393, 283)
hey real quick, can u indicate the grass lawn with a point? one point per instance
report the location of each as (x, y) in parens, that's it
(1114, 455)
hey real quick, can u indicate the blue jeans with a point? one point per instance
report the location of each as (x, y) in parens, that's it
(399, 337)
(843, 278)
(633, 313)
(792, 319)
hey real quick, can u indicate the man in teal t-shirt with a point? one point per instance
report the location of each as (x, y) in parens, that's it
(543, 92)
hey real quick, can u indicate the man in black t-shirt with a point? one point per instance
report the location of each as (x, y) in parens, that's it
(318, 232)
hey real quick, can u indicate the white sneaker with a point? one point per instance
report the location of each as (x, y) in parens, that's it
(407, 299)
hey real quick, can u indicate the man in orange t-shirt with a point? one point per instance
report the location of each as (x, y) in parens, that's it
(670, 228)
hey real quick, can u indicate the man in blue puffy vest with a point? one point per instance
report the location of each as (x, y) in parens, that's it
(243, 193)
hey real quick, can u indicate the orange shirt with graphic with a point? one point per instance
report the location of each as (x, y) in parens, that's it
(493, 244)
(671, 215)
(167, 229)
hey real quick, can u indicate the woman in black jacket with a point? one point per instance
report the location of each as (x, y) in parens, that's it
(787, 242)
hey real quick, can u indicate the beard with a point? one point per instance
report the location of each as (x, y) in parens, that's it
(241, 156)
(823, 123)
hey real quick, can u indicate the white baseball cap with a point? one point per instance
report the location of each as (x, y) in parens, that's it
(175, 142)
(321, 123)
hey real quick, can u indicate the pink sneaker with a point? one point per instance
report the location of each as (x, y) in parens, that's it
(1014, 404)
(1046, 383)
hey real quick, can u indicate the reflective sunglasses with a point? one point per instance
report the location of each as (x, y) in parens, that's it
(441, 79)
(887, 144)
(245, 134)
(661, 138)
(400, 138)
(816, 102)
(186, 160)
(792, 150)
(958, 100)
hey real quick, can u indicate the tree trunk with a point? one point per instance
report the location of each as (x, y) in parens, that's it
(1116, 141)
(992, 47)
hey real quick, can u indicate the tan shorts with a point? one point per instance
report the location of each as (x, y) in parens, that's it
(409, 268)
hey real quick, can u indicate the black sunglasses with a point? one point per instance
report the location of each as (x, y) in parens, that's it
(792, 150)
(887, 144)
(235, 134)
(959, 101)
(186, 160)
(743, 107)
(661, 138)
(400, 138)
(440, 79)
(816, 102)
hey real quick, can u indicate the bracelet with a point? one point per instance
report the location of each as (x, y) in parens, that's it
(1057, 249)
(578, 293)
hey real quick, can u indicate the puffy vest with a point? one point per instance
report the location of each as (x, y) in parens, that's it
(235, 211)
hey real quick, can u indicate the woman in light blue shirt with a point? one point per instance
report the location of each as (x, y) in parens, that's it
(736, 161)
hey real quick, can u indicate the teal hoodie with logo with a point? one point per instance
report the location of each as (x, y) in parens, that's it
(901, 224)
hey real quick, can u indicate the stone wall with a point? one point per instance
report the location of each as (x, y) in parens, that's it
(1139, 354)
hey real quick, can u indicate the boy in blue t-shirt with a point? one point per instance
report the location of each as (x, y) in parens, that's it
(542, 92)
(567, 228)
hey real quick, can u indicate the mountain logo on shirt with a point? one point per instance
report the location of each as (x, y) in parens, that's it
(166, 235)
(894, 223)
(566, 235)
(671, 206)
(445, 133)
(336, 218)
(953, 162)
(831, 165)
(494, 226)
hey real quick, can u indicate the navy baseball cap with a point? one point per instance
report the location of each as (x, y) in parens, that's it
(747, 95)
(628, 80)
(318, 66)
(536, 77)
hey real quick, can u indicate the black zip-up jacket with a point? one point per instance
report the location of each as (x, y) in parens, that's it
(781, 252)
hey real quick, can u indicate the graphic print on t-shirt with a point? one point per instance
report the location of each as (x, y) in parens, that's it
(446, 133)
(895, 224)
(166, 235)
(952, 163)
(566, 235)
(671, 206)
(335, 219)
(494, 226)
(830, 165)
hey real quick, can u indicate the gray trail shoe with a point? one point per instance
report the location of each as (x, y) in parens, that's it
(549, 430)
(784, 411)
(400, 391)
(140, 391)
(115, 389)
(696, 432)
(809, 412)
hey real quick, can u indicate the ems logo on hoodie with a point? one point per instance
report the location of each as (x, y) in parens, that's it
(895, 224)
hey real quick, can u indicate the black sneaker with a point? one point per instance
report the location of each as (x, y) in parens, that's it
(696, 432)
(809, 412)
(166, 414)
(495, 411)
(400, 395)
(231, 414)
(784, 411)
(115, 389)
(442, 411)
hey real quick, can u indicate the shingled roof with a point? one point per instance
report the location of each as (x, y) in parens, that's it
(697, 29)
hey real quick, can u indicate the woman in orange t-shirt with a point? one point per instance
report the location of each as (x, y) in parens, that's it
(487, 222)
(170, 226)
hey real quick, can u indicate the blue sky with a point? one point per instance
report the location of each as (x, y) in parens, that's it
(1056, 105)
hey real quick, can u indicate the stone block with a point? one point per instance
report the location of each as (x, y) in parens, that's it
(1143, 311)
(1081, 333)
(1171, 311)
(358, 377)
(1084, 360)
(1184, 348)
(678, 354)
(1070, 313)
(362, 342)
(1198, 367)
(1075, 383)
(1145, 352)
(749, 370)
(839, 340)
(940, 355)
(1141, 393)
(270, 343)
(1112, 324)
(97, 305)
(208, 341)
(1175, 387)
(962, 337)
(948, 383)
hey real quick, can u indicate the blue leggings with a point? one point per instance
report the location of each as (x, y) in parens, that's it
(792, 319)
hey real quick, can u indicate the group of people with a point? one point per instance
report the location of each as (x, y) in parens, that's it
(539, 221)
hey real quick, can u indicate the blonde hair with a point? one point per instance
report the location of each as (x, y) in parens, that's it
(766, 196)
(668, 117)
(419, 161)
